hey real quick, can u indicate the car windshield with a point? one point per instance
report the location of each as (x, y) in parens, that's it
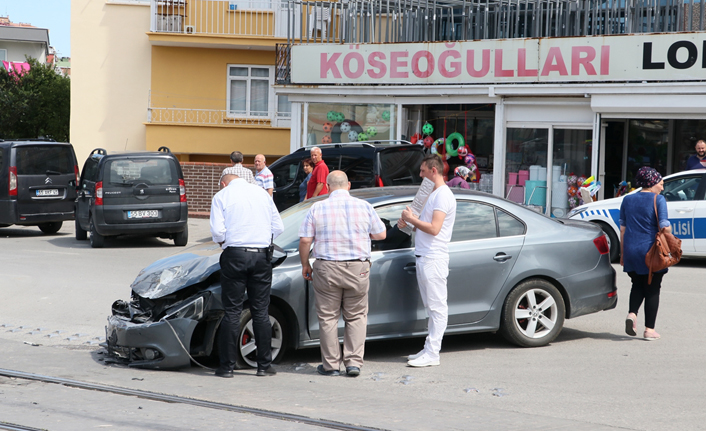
(292, 219)
(400, 166)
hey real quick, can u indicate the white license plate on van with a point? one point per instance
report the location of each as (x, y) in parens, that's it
(48, 192)
(143, 214)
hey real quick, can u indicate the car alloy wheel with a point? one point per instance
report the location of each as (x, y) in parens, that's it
(533, 314)
(247, 356)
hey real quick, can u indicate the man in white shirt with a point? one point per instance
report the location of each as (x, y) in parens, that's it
(434, 227)
(263, 176)
(244, 220)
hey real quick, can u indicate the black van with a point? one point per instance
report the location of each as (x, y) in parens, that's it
(37, 183)
(367, 164)
(132, 193)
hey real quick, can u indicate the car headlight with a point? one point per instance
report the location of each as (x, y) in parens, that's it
(575, 211)
(190, 310)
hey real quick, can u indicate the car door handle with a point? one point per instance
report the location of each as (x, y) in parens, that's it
(684, 210)
(501, 257)
(410, 267)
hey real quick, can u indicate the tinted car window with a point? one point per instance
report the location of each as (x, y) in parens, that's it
(509, 225)
(38, 159)
(474, 220)
(398, 168)
(285, 173)
(90, 170)
(132, 171)
(359, 168)
(681, 189)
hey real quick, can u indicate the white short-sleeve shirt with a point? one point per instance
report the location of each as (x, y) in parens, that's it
(441, 199)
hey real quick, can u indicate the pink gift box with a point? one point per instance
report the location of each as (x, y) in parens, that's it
(523, 176)
(512, 178)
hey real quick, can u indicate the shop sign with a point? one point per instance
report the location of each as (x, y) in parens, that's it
(644, 57)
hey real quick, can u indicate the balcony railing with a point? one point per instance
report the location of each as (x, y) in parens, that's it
(257, 18)
(378, 21)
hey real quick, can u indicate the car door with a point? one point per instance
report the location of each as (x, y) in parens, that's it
(484, 246)
(699, 223)
(394, 304)
(681, 194)
(86, 189)
(288, 175)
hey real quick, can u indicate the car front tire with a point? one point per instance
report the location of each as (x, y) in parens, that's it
(533, 314)
(81, 234)
(96, 239)
(246, 341)
(51, 227)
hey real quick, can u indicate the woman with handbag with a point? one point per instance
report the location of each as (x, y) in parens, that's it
(639, 224)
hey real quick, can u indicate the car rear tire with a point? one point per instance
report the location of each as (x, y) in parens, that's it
(50, 228)
(96, 239)
(182, 238)
(533, 314)
(246, 347)
(81, 234)
(613, 242)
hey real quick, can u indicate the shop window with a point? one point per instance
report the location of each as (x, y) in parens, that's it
(250, 90)
(474, 220)
(3, 55)
(686, 134)
(329, 123)
(647, 146)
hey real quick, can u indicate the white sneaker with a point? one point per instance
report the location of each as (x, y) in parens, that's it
(423, 361)
(416, 355)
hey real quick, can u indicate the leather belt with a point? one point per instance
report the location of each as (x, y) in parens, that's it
(250, 249)
(349, 260)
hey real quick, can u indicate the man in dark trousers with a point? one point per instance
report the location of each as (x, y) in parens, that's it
(244, 220)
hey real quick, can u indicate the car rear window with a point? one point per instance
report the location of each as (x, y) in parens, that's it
(38, 159)
(400, 166)
(134, 171)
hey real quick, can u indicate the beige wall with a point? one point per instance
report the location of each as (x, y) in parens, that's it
(110, 76)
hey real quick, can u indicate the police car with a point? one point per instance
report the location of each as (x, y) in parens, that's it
(684, 192)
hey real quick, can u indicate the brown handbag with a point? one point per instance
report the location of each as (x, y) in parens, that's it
(665, 252)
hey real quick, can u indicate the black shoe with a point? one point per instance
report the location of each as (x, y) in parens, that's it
(353, 371)
(224, 373)
(323, 372)
(269, 371)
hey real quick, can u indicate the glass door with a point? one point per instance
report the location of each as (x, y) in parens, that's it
(529, 153)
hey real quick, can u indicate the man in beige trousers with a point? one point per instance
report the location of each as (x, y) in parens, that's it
(340, 228)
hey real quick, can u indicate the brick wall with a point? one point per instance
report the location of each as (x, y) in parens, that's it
(201, 181)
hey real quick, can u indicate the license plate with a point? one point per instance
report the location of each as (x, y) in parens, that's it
(48, 192)
(143, 214)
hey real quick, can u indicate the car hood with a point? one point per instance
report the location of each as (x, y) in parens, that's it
(174, 273)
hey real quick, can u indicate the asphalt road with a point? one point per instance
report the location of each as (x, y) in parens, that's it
(57, 293)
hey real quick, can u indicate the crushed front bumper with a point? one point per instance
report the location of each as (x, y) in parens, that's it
(150, 345)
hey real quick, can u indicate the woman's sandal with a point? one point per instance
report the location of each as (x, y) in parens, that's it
(630, 326)
(652, 335)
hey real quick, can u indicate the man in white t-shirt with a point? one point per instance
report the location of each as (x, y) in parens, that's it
(433, 228)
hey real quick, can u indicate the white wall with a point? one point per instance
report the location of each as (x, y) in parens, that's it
(110, 75)
(16, 51)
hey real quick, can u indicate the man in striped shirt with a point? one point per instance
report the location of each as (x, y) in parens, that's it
(263, 176)
(340, 228)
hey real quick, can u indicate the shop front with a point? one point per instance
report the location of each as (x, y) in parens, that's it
(538, 115)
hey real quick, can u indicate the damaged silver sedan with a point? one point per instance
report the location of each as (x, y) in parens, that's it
(511, 270)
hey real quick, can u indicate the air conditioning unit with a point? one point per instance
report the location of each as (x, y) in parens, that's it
(189, 29)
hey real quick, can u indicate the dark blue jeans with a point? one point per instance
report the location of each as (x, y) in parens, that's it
(241, 272)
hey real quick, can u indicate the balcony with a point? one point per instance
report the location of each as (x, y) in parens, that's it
(223, 18)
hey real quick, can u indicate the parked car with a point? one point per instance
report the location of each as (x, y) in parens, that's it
(367, 164)
(684, 192)
(511, 269)
(132, 193)
(37, 183)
